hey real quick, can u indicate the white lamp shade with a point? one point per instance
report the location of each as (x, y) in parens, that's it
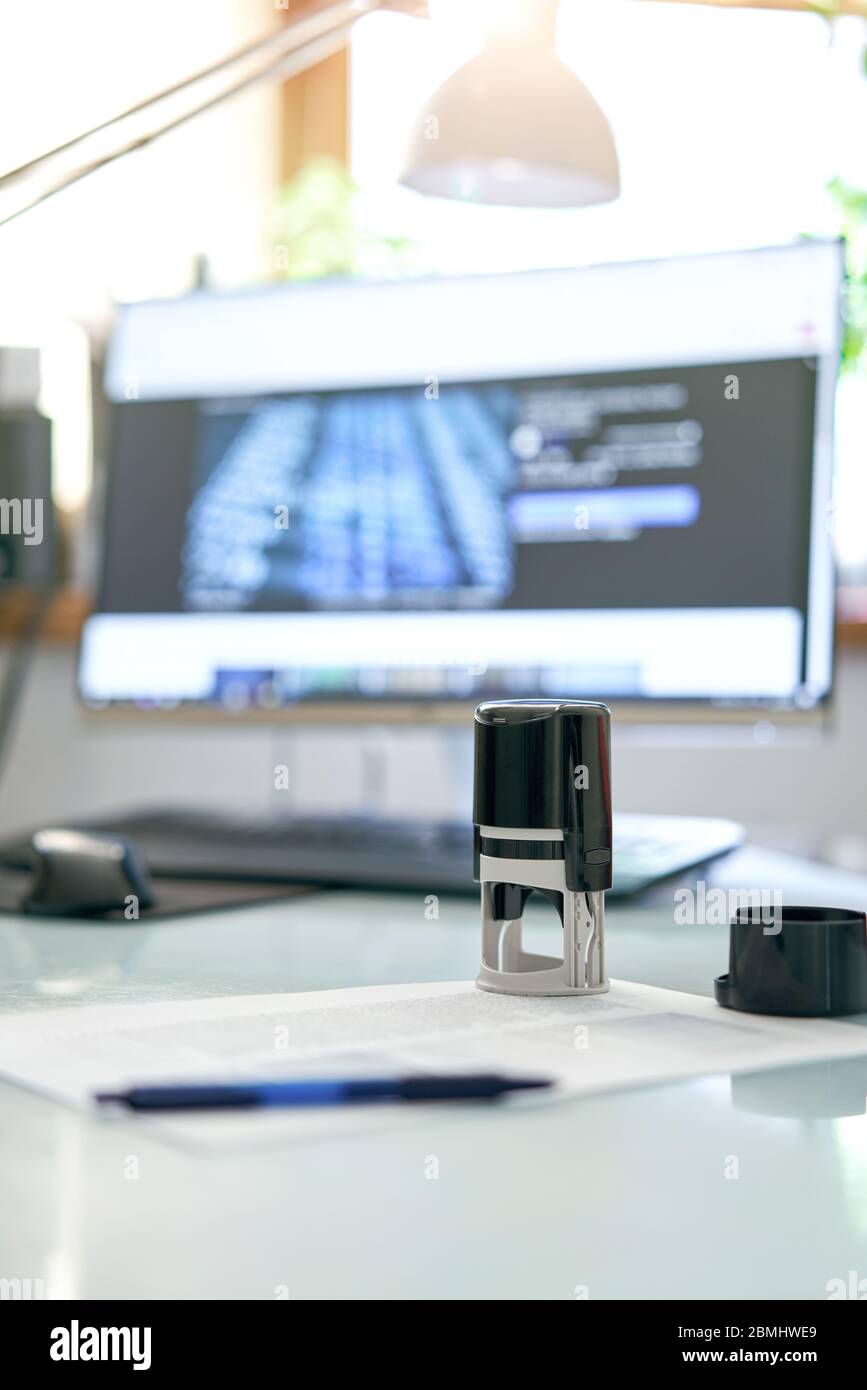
(513, 126)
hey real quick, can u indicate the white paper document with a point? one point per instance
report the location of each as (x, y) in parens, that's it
(634, 1035)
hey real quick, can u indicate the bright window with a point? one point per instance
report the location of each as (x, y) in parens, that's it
(728, 126)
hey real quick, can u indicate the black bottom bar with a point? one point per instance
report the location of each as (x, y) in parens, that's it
(250, 1337)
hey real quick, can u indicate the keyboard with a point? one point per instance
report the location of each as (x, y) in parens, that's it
(365, 852)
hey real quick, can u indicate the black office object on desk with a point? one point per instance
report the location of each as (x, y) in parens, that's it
(78, 872)
(543, 824)
(801, 962)
(101, 877)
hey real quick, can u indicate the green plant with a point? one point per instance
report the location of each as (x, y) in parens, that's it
(317, 229)
(852, 203)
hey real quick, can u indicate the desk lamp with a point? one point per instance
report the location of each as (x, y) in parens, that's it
(513, 126)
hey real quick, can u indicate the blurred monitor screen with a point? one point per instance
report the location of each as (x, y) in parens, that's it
(611, 482)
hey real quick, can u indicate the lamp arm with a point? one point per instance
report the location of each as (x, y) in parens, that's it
(305, 40)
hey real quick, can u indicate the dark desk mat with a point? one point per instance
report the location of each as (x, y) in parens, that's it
(176, 897)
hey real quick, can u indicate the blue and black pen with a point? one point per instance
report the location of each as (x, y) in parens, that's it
(353, 1091)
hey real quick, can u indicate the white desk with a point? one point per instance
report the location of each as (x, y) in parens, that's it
(624, 1194)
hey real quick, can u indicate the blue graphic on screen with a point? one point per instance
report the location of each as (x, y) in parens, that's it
(558, 515)
(354, 499)
(410, 498)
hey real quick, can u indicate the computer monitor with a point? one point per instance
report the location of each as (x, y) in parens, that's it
(378, 499)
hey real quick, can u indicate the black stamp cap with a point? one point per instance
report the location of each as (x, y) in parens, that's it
(808, 962)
